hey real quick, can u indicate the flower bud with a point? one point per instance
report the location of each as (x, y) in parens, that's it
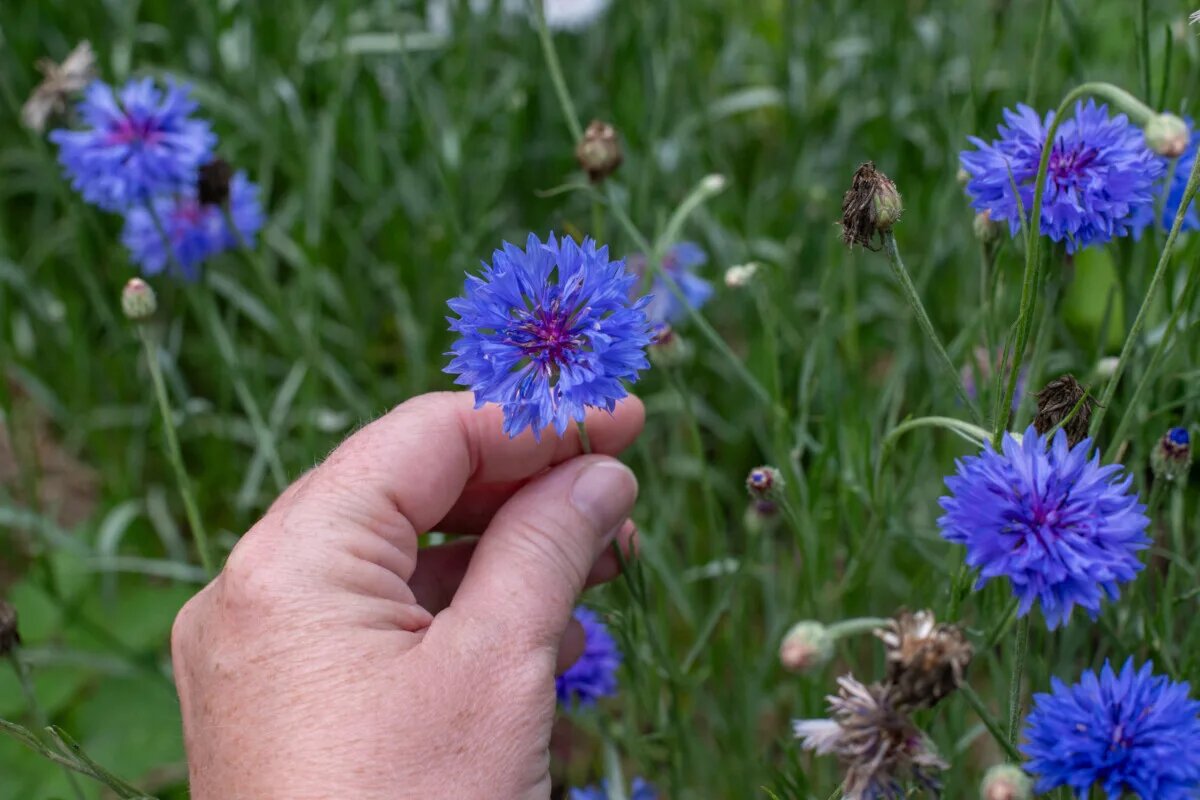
(987, 230)
(212, 182)
(807, 646)
(599, 152)
(137, 300)
(1056, 401)
(1167, 135)
(668, 348)
(740, 275)
(9, 636)
(1005, 782)
(764, 483)
(870, 206)
(1172, 456)
(962, 176)
(713, 183)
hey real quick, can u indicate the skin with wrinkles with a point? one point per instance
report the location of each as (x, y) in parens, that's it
(330, 658)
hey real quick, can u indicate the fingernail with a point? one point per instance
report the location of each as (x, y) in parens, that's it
(604, 493)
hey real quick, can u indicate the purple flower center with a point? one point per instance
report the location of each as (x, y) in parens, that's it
(1069, 163)
(549, 337)
(132, 131)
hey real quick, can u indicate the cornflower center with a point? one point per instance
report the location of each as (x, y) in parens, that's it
(1068, 163)
(134, 131)
(549, 336)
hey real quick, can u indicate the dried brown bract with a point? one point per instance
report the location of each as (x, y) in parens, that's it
(926, 659)
(59, 82)
(212, 182)
(1056, 401)
(599, 152)
(871, 206)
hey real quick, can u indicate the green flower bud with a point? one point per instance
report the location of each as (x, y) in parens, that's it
(138, 300)
(1167, 135)
(807, 646)
(1005, 782)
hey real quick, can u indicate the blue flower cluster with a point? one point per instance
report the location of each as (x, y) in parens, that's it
(640, 790)
(1132, 733)
(140, 154)
(1063, 529)
(594, 675)
(547, 332)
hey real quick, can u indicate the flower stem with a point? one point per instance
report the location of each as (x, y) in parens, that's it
(1014, 690)
(1140, 320)
(584, 441)
(914, 300)
(852, 627)
(989, 721)
(175, 454)
(556, 72)
(1043, 24)
(36, 711)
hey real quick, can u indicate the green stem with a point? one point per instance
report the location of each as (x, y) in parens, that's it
(585, 442)
(556, 72)
(175, 454)
(35, 710)
(1014, 690)
(1035, 62)
(853, 627)
(989, 721)
(1172, 324)
(914, 300)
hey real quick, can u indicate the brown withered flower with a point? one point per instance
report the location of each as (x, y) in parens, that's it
(926, 660)
(875, 741)
(870, 206)
(599, 151)
(1056, 400)
(59, 82)
(9, 637)
(212, 182)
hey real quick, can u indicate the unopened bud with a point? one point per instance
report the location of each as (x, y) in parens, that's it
(1005, 782)
(599, 152)
(870, 206)
(9, 636)
(212, 182)
(1172, 456)
(987, 230)
(962, 176)
(740, 275)
(1056, 401)
(764, 483)
(807, 646)
(713, 183)
(1167, 135)
(137, 300)
(667, 347)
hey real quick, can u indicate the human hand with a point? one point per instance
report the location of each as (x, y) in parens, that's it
(332, 659)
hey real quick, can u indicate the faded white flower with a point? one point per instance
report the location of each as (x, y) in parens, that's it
(877, 744)
(561, 15)
(740, 275)
(59, 82)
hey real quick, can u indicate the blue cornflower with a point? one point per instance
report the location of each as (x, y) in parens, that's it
(641, 790)
(547, 331)
(1176, 182)
(1131, 733)
(138, 143)
(1099, 183)
(1061, 528)
(680, 263)
(197, 231)
(594, 675)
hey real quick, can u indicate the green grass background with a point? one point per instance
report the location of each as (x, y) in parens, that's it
(393, 160)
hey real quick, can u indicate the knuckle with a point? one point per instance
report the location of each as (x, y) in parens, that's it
(250, 578)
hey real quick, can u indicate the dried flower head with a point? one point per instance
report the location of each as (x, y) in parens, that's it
(871, 206)
(599, 152)
(1056, 401)
(212, 182)
(877, 744)
(926, 659)
(808, 645)
(9, 636)
(59, 82)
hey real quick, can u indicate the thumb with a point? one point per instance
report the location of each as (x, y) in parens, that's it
(533, 560)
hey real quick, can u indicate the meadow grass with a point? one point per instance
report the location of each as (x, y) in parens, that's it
(393, 159)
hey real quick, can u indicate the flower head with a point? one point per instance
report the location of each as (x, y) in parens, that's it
(640, 790)
(679, 263)
(1175, 184)
(1172, 456)
(926, 659)
(594, 675)
(870, 207)
(197, 231)
(1056, 401)
(1099, 182)
(764, 483)
(1132, 733)
(548, 331)
(1064, 530)
(599, 151)
(138, 143)
(138, 301)
(876, 742)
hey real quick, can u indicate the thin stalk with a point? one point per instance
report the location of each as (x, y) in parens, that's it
(36, 711)
(853, 627)
(1140, 320)
(585, 441)
(1035, 62)
(556, 72)
(1018, 672)
(989, 722)
(175, 454)
(914, 300)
